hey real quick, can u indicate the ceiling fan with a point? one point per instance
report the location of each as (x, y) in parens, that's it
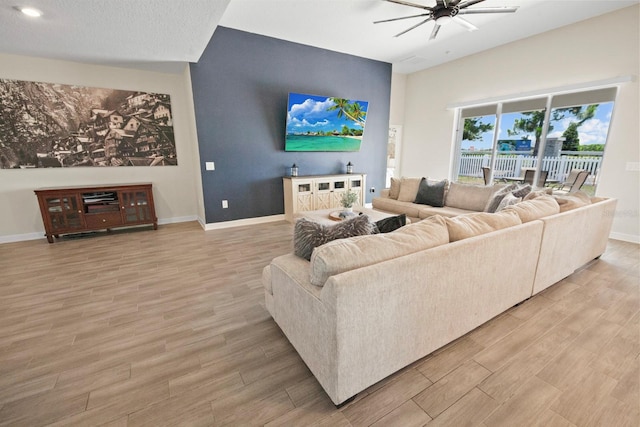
(446, 11)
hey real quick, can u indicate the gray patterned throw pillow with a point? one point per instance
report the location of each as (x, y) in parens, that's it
(309, 234)
(494, 201)
(522, 191)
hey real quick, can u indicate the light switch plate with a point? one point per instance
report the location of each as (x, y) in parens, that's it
(210, 166)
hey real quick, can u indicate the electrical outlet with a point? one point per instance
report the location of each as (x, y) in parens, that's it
(210, 166)
(225, 204)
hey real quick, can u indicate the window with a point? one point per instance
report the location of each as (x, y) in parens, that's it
(553, 133)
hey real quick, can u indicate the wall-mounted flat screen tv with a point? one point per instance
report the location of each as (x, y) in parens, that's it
(320, 123)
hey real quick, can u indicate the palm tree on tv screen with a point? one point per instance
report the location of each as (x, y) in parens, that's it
(352, 111)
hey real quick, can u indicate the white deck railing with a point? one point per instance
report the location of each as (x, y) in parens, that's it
(514, 165)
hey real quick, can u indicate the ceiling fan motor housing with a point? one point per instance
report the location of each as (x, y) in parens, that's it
(446, 12)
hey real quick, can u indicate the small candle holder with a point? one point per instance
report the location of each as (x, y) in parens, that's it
(349, 168)
(294, 170)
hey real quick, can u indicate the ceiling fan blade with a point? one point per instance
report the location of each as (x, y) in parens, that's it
(406, 3)
(404, 17)
(468, 25)
(503, 9)
(415, 26)
(434, 33)
(467, 3)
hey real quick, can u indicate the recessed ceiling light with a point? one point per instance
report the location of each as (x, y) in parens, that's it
(29, 11)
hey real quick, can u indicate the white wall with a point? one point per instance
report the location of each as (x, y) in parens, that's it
(396, 105)
(176, 192)
(597, 49)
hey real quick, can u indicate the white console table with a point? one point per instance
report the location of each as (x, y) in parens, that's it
(315, 192)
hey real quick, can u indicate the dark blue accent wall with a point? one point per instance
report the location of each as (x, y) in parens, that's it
(240, 89)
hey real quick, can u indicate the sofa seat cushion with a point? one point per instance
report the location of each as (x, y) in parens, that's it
(470, 197)
(475, 224)
(446, 211)
(533, 209)
(356, 252)
(308, 235)
(396, 206)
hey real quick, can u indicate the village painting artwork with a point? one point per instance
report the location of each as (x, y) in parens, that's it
(47, 125)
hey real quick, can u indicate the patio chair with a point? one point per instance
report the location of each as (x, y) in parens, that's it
(577, 184)
(542, 179)
(486, 174)
(568, 182)
(528, 176)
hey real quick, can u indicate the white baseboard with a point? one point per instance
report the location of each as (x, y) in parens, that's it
(22, 237)
(631, 238)
(177, 219)
(241, 222)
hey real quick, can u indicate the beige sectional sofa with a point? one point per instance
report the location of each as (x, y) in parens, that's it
(357, 313)
(459, 199)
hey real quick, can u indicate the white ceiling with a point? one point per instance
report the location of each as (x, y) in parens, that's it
(164, 34)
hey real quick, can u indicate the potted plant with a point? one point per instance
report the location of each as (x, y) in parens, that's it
(348, 199)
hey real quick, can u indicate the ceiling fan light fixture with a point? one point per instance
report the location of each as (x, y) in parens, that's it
(444, 20)
(29, 11)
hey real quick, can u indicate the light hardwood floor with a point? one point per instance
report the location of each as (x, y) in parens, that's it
(168, 327)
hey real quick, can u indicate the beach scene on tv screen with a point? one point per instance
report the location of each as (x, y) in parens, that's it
(320, 123)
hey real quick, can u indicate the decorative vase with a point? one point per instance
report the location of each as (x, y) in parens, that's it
(348, 210)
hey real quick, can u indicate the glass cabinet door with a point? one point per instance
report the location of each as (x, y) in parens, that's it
(64, 212)
(135, 206)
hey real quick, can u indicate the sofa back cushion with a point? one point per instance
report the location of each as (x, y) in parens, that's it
(533, 209)
(394, 188)
(547, 191)
(475, 224)
(348, 254)
(573, 200)
(408, 189)
(469, 197)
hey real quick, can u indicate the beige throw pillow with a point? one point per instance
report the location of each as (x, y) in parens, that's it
(408, 189)
(475, 224)
(394, 188)
(343, 255)
(537, 208)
